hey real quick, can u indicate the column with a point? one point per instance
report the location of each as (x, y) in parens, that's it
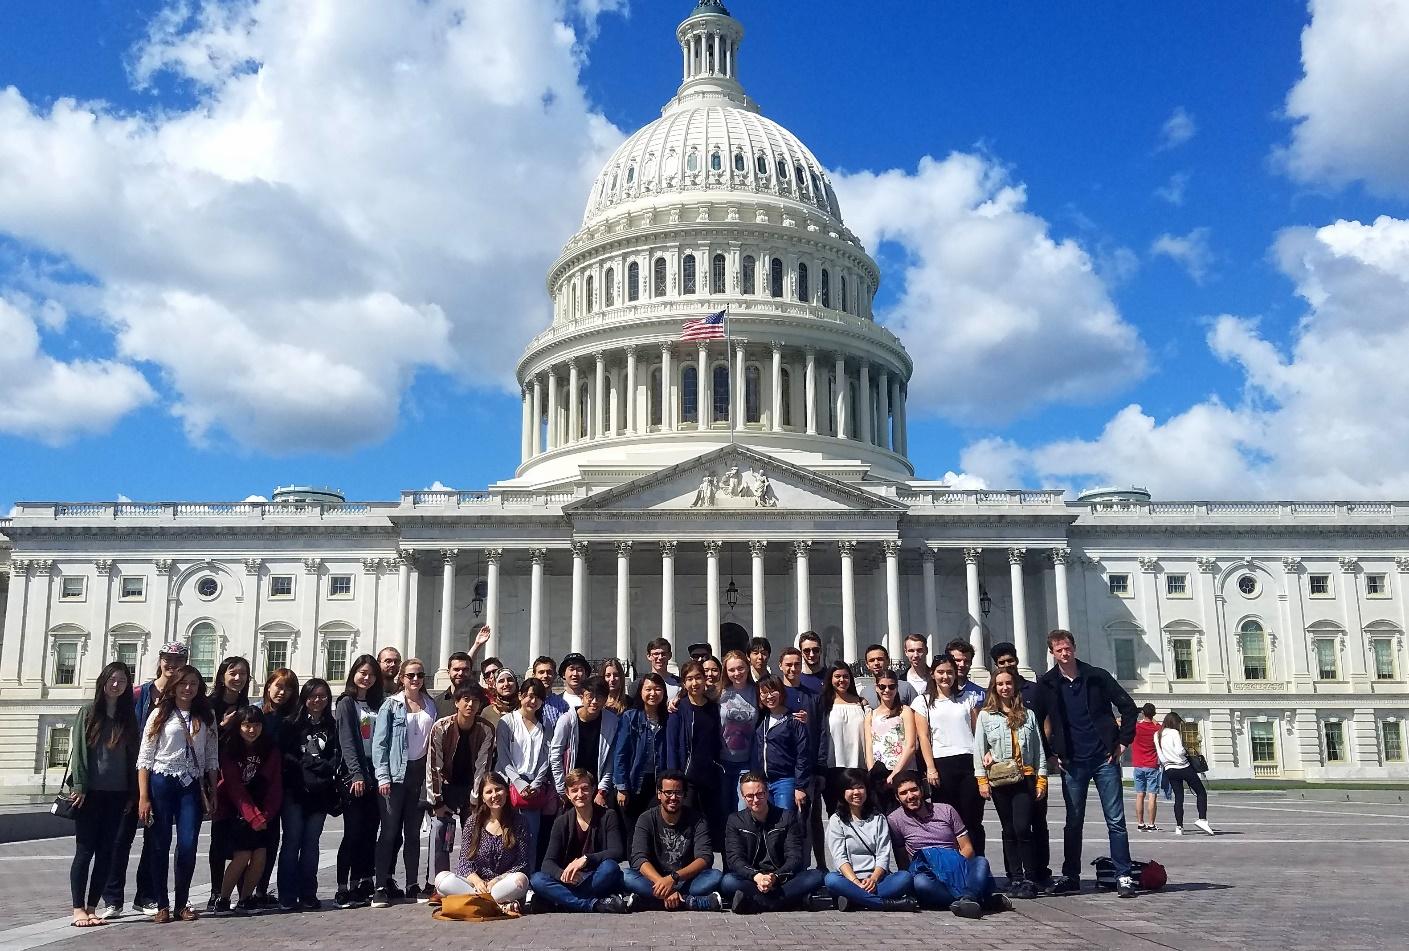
(712, 594)
(574, 405)
(739, 388)
(623, 601)
(579, 595)
(902, 432)
(1354, 626)
(896, 437)
(491, 598)
(1060, 558)
(369, 596)
(552, 409)
(810, 376)
(667, 410)
(971, 557)
(777, 390)
(535, 603)
(931, 625)
(802, 568)
(883, 409)
(893, 635)
(630, 395)
(667, 592)
(841, 396)
(525, 444)
(15, 606)
(447, 606)
(537, 442)
(756, 550)
(702, 400)
(405, 570)
(599, 399)
(863, 395)
(1015, 576)
(848, 600)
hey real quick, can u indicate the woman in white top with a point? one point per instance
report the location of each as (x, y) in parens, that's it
(859, 840)
(399, 743)
(842, 712)
(522, 757)
(949, 754)
(1169, 747)
(177, 763)
(888, 732)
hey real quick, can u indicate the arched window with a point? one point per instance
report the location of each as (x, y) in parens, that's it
(739, 165)
(750, 275)
(721, 392)
(204, 644)
(609, 287)
(826, 288)
(843, 293)
(633, 281)
(716, 161)
(760, 164)
(653, 396)
(630, 174)
(716, 275)
(588, 298)
(753, 395)
(1252, 639)
(801, 176)
(658, 278)
(817, 190)
(802, 288)
(785, 387)
(690, 394)
(692, 162)
(782, 169)
(687, 275)
(583, 409)
(775, 277)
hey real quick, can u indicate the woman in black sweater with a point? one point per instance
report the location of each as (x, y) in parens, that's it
(355, 714)
(580, 870)
(308, 740)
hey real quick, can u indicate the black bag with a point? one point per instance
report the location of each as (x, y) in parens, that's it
(1149, 876)
(1198, 762)
(64, 807)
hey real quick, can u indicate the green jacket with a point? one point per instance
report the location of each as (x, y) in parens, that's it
(78, 758)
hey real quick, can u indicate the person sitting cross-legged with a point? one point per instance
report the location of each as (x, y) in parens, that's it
(671, 854)
(765, 854)
(867, 876)
(580, 870)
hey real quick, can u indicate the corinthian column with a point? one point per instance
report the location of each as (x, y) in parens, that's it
(756, 550)
(623, 601)
(801, 550)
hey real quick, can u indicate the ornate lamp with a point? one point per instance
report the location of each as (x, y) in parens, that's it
(985, 603)
(731, 593)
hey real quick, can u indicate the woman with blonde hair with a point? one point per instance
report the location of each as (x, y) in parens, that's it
(400, 741)
(495, 855)
(613, 671)
(738, 714)
(1011, 770)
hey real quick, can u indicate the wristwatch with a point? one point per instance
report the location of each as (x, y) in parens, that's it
(675, 877)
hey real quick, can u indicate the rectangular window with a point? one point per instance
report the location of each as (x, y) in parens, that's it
(60, 742)
(1320, 586)
(1392, 736)
(1334, 733)
(1383, 648)
(1125, 668)
(276, 655)
(126, 652)
(1327, 661)
(65, 664)
(133, 588)
(1120, 585)
(335, 663)
(1189, 732)
(1176, 586)
(281, 586)
(1263, 736)
(1254, 644)
(71, 588)
(1183, 650)
(203, 653)
(1376, 586)
(340, 586)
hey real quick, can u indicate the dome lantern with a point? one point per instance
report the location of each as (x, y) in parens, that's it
(709, 48)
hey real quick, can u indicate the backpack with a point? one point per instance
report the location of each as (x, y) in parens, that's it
(1150, 876)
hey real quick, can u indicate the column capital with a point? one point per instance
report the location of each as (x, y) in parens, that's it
(890, 548)
(538, 556)
(447, 555)
(579, 549)
(493, 555)
(1207, 565)
(865, 362)
(1401, 564)
(19, 567)
(847, 549)
(162, 565)
(600, 356)
(311, 565)
(1291, 564)
(623, 549)
(776, 346)
(810, 352)
(407, 556)
(1350, 564)
(104, 566)
(1060, 556)
(667, 549)
(712, 548)
(802, 548)
(630, 349)
(972, 555)
(927, 554)
(252, 565)
(667, 348)
(1148, 563)
(1016, 556)
(371, 566)
(757, 548)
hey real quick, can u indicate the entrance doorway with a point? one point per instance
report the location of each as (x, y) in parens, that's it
(732, 637)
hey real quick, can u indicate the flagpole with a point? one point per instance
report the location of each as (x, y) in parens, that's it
(734, 402)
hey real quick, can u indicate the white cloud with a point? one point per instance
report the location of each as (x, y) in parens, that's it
(1351, 106)
(1174, 190)
(999, 317)
(1190, 251)
(1324, 419)
(438, 486)
(363, 189)
(1177, 129)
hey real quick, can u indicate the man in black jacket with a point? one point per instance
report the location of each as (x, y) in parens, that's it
(1075, 702)
(765, 856)
(580, 870)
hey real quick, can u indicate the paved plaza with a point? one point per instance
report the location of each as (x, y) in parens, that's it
(1288, 871)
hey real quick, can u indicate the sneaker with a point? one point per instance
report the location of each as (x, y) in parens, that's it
(394, 893)
(738, 904)
(413, 895)
(1064, 885)
(381, 898)
(219, 907)
(895, 904)
(998, 902)
(309, 904)
(210, 905)
(244, 908)
(427, 890)
(966, 908)
(1178, 830)
(1022, 890)
(611, 905)
(106, 912)
(286, 909)
(1125, 886)
(343, 899)
(1152, 828)
(711, 902)
(1141, 827)
(1204, 826)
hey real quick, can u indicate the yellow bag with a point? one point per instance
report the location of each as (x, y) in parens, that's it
(476, 907)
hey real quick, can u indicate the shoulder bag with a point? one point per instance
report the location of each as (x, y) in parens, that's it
(1007, 772)
(64, 807)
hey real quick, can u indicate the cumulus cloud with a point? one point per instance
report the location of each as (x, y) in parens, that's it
(999, 316)
(1190, 251)
(361, 190)
(1321, 418)
(1351, 105)
(1177, 129)
(1174, 190)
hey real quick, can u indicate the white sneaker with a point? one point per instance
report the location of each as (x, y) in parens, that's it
(1178, 830)
(1203, 824)
(104, 911)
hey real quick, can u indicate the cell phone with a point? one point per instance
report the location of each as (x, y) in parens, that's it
(148, 821)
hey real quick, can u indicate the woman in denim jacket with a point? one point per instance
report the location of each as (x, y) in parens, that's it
(640, 749)
(1003, 719)
(400, 741)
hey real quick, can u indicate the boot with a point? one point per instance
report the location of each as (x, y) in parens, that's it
(908, 903)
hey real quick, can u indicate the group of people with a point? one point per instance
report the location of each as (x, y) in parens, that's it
(816, 793)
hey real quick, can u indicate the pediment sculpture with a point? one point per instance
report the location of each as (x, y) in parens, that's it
(735, 489)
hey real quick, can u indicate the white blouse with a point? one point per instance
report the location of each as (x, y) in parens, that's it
(418, 730)
(170, 754)
(844, 728)
(951, 726)
(1169, 746)
(521, 751)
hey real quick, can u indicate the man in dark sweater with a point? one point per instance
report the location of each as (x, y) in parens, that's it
(1078, 703)
(765, 854)
(671, 854)
(580, 870)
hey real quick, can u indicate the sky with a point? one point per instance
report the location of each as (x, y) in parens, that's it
(262, 242)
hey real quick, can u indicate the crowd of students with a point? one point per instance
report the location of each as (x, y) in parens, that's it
(815, 793)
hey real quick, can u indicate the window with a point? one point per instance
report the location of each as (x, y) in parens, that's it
(207, 587)
(817, 188)
(775, 277)
(609, 287)
(1189, 733)
(802, 288)
(753, 395)
(132, 588)
(633, 281)
(692, 162)
(1333, 732)
(340, 586)
(826, 288)
(591, 297)
(760, 163)
(739, 162)
(749, 276)
(630, 174)
(721, 392)
(1248, 586)
(1176, 586)
(687, 275)
(654, 397)
(716, 161)
(1392, 741)
(65, 664)
(843, 293)
(281, 586)
(716, 274)
(1125, 668)
(583, 401)
(799, 175)
(1327, 661)
(126, 652)
(1119, 585)
(1263, 738)
(1253, 641)
(782, 169)
(60, 742)
(203, 647)
(1383, 649)
(335, 661)
(71, 588)
(1319, 586)
(658, 278)
(1376, 586)
(1182, 649)
(786, 386)
(276, 655)
(690, 395)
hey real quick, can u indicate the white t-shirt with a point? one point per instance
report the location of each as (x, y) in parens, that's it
(950, 725)
(844, 727)
(918, 681)
(418, 732)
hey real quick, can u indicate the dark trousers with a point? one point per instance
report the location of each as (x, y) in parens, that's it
(180, 806)
(96, 831)
(786, 898)
(271, 854)
(1015, 806)
(637, 803)
(116, 888)
(357, 851)
(401, 812)
(959, 788)
(1041, 840)
(1177, 778)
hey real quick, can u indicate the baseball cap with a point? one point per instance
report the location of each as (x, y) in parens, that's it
(573, 658)
(175, 649)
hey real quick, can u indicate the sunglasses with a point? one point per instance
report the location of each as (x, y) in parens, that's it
(420, 676)
(885, 686)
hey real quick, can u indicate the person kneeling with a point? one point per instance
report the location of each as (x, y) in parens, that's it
(765, 855)
(859, 840)
(947, 873)
(671, 853)
(580, 870)
(494, 857)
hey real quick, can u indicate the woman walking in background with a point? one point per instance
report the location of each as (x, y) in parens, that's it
(400, 741)
(103, 772)
(1178, 771)
(308, 742)
(356, 713)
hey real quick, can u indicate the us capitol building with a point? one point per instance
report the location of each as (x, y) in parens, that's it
(719, 489)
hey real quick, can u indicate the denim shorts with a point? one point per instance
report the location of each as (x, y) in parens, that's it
(1147, 779)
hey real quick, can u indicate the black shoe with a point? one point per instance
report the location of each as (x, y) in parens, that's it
(907, 903)
(218, 907)
(966, 908)
(427, 890)
(1022, 890)
(998, 902)
(344, 899)
(1064, 885)
(413, 895)
(243, 909)
(739, 903)
(820, 900)
(309, 904)
(210, 905)
(611, 905)
(381, 898)
(394, 893)
(364, 891)
(843, 903)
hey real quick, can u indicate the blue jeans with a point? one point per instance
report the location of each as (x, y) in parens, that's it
(174, 804)
(298, 862)
(893, 885)
(790, 896)
(730, 800)
(1147, 779)
(605, 880)
(1076, 779)
(697, 887)
(780, 794)
(949, 876)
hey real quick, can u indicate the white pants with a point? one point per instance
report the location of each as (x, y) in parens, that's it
(511, 886)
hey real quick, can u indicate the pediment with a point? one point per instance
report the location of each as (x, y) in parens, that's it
(734, 478)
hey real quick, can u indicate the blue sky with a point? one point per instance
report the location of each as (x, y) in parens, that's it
(1118, 127)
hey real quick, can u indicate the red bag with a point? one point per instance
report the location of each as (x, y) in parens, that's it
(1153, 877)
(545, 798)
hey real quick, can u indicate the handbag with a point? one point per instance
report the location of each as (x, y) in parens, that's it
(64, 807)
(545, 796)
(207, 804)
(1198, 762)
(1007, 772)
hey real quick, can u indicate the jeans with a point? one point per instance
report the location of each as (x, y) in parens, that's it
(298, 862)
(442, 831)
(605, 880)
(1076, 779)
(401, 813)
(934, 891)
(1177, 778)
(730, 799)
(893, 885)
(357, 851)
(537, 840)
(1014, 805)
(790, 896)
(697, 887)
(97, 828)
(115, 889)
(178, 805)
(781, 793)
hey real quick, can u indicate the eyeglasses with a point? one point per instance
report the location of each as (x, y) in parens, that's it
(418, 676)
(670, 794)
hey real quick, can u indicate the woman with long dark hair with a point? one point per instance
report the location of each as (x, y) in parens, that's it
(692, 740)
(247, 804)
(522, 757)
(230, 690)
(400, 741)
(867, 875)
(948, 747)
(356, 714)
(842, 712)
(495, 855)
(103, 773)
(278, 703)
(308, 742)
(889, 737)
(640, 748)
(177, 762)
(1178, 771)
(1008, 731)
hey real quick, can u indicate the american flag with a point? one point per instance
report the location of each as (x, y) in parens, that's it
(705, 328)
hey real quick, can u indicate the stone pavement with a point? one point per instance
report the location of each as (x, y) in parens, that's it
(1285, 874)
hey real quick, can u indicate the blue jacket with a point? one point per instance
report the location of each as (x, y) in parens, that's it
(389, 740)
(818, 738)
(781, 752)
(692, 742)
(630, 764)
